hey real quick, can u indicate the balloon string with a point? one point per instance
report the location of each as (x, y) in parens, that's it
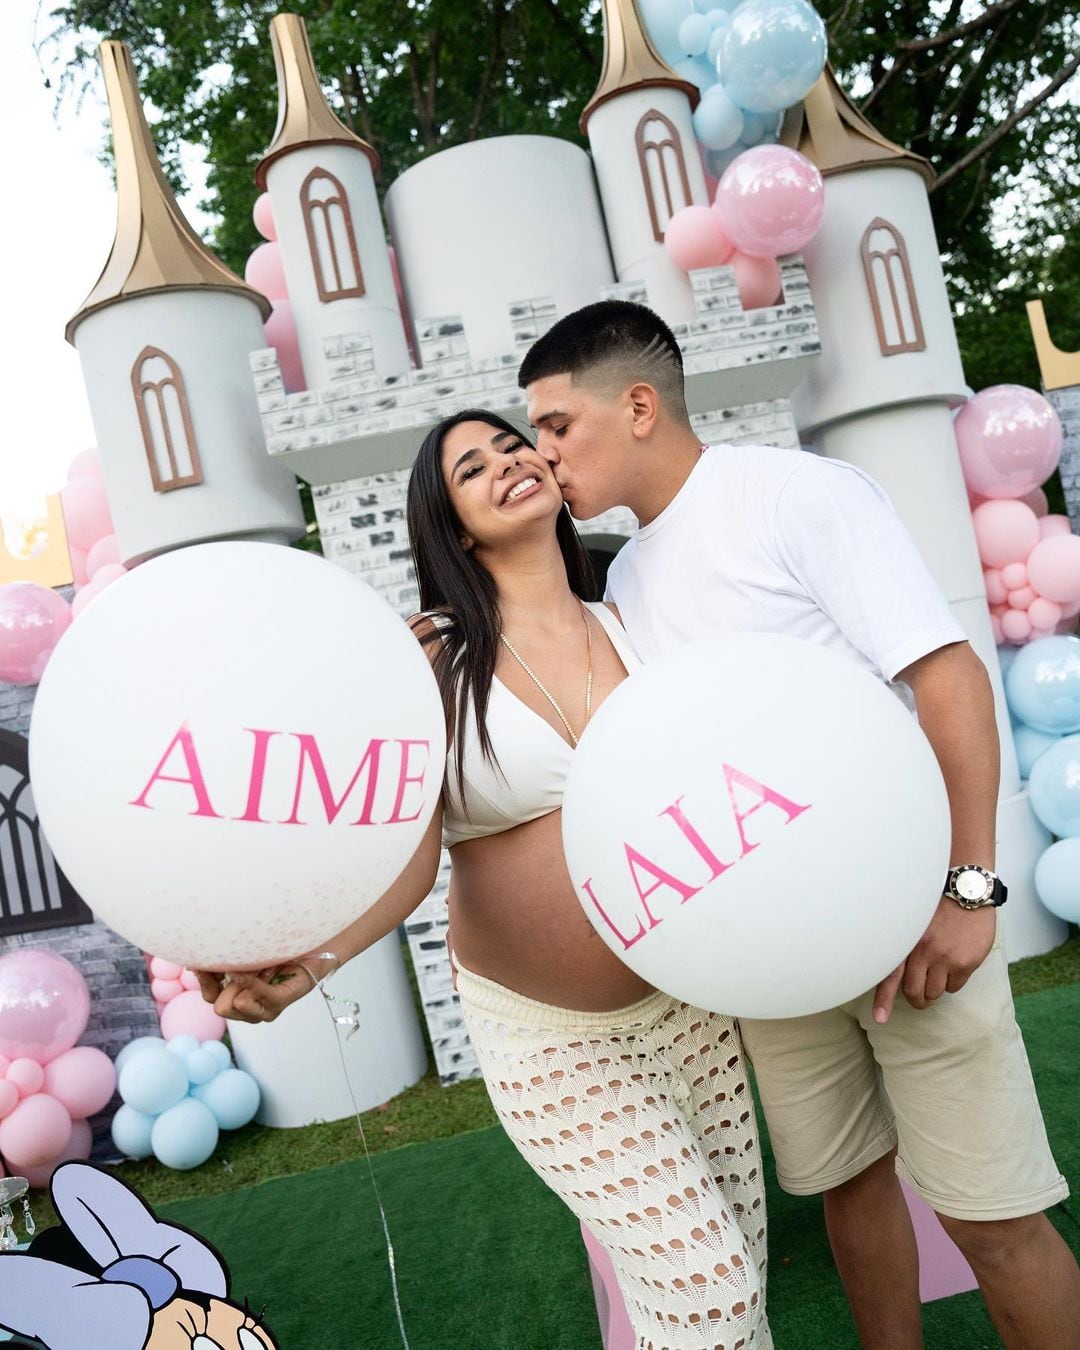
(349, 1018)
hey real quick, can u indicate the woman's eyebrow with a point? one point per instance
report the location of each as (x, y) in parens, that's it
(469, 454)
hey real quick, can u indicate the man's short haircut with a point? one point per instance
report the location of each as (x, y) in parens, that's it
(609, 346)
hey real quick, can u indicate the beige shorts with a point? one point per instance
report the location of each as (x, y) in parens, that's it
(950, 1086)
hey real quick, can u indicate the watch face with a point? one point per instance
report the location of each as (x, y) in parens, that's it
(970, 884)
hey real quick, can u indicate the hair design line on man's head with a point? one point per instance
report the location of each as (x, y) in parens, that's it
(610, 346)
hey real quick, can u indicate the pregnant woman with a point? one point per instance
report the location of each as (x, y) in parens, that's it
(631, 1106)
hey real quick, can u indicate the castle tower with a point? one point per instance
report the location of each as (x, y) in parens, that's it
(322, 189)
(881, 393)
(1060, 373)
(646, 157)
(163, 339)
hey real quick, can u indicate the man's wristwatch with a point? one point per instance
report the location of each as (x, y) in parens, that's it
(974, 887)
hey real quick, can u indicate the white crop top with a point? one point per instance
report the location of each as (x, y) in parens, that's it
(532, 759)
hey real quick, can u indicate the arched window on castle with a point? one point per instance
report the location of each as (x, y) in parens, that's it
(34, 893)
(663, 169)
(331, 237)
(892, 290)
(165, 420)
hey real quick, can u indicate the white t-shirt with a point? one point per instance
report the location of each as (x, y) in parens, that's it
(760, 539)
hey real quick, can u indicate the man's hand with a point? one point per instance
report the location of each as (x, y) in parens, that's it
(254, 996)
(955, 945)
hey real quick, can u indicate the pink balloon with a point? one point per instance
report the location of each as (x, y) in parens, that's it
(82, 1080)
(78, 1146)
(263, 215)
(9, 1098)
(1022, 598)
(1009, 439)
(1070, 610)
(280, 330)
(995, 587)
(33, 618)
(78, 565)
(160, 969)
(86, 511)
(1051, 525)
(86, 464)
(163, 990)
(1054, 568)
(44, 1005)
(100, 581)
(1016, 626)
(1036, 499)
(264, 272)
(758, 280)
(695, 237)
(771, 200)
(35, 1132)
(105, 551)
(1044, 614)
(27, 1075)
(189, 1015)
(189, 979)
(996, 629)
(1014, 576)
(1005, 532)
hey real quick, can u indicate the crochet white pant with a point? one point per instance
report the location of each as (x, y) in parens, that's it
(642, 1121)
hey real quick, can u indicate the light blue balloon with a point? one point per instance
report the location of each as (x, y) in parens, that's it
(233, 1097)
(1057, 879)
(718, 160)
(1006, 656)
(753, 128)
(1054, 788)
(697, 71)
(1042, 684)
(662, 19)
(185, 1136)
(153, 1080)
(717, 120)
(183, 1045)
(132, 1047)
(131, 1132)
(773, 53)
(1030, 744)
(220, 1052)
(201, 1067)
(712, 52)
(694, 33)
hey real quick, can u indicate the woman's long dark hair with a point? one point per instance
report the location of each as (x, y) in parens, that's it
(453, 584)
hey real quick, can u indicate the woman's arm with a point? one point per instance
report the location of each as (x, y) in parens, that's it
(262, 996)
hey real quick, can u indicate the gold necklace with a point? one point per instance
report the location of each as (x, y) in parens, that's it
(588, 679)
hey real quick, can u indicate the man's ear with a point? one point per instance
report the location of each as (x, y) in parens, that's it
(645, 408)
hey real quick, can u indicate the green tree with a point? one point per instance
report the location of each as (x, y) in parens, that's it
(981, 90)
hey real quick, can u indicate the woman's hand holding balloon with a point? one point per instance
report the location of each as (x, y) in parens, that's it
(261, 996)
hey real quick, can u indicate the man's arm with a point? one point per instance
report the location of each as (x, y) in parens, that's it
(955, 703)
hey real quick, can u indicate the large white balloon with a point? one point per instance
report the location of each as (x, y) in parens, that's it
(235, 753)
(757, 825)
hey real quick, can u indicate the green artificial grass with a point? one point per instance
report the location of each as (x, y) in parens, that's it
(489, 1259)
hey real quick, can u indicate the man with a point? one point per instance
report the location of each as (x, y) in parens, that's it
(758, 538)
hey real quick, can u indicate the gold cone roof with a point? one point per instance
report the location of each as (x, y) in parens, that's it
(630, 60)
(304, 116)
(829, 130)
(154, 249)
